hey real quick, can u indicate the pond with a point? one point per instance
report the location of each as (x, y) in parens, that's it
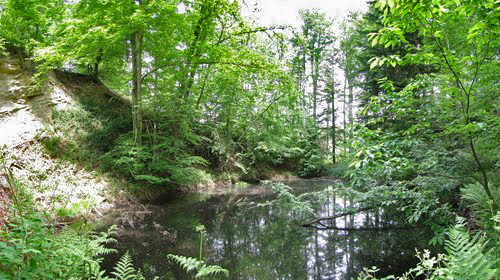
(260, 242)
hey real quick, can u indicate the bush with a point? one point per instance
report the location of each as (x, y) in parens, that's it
(54, 146)
(466, 258)
(164, 163)
(3, 49)
(311, 162)
(31, 250)
(337, 170)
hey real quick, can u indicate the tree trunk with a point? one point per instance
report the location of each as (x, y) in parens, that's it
(95, 72)
(136, 46)
(351, 120)
(302, 82)
(334, 142)
(327, 127)
(315, 85)
(345, 114)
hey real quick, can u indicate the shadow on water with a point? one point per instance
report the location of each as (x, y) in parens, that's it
(260, 243)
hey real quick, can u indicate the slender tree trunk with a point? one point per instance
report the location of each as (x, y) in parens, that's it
(95, 72)
(302, 81)
(351, 119)
(328, 108)
(334, 141)
(345, 114)
(136, 46)
(315, 84)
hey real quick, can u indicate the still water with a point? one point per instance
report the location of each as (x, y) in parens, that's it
(261, 242)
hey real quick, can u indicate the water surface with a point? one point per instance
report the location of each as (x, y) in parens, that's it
(264, 242)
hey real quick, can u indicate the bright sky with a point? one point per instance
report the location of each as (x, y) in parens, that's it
(285, 12)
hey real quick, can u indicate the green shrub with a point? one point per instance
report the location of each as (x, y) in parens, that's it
(337, 170)
(161, 164)
(482, 208)
(466, 258)
(54, 146)
(31, 250)
(311, 161)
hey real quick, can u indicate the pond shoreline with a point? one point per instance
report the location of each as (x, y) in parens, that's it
(241, 220)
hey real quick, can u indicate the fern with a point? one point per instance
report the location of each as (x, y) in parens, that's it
(467, 258)
(210, 270)
(124, 269)
(187, 263)
(99, 241)
(203, 270)
(480, 203)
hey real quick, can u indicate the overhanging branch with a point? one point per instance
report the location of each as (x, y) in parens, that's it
(333, 217)
(172, 64)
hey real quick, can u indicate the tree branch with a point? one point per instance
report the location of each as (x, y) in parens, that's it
(259, 29)
(351, 212)
(364, 228)
(172, 64)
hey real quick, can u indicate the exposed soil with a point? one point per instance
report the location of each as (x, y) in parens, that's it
(5, 204)
(57, 186)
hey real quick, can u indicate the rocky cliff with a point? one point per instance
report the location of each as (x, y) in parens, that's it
(57, 185)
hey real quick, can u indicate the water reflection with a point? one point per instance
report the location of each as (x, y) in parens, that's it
(259, 243)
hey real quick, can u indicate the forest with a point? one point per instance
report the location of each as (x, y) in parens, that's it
(184, 139)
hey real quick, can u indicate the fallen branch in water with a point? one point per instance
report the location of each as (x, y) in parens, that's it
(323, 227)
(351, 212)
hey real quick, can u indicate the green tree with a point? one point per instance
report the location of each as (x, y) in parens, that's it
(26, 24)
(311, 43)
(462, 39)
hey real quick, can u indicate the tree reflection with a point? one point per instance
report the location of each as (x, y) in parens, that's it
(268, 242)
(261, 244)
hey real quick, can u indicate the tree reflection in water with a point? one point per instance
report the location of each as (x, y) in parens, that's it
(261, 244)
(268, 243)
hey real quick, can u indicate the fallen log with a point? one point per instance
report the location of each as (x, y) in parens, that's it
(333, 217)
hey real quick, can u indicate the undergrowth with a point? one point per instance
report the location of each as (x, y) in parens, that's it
(467, 258)
(31, 250)
(100, 138)
(31, 247)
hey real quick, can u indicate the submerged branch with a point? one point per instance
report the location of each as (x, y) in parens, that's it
(333, 217)
(363, 228)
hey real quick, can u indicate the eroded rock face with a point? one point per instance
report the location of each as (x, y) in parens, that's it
(54, 183)
(21, 113)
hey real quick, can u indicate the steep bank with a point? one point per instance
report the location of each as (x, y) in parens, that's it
(60, 186)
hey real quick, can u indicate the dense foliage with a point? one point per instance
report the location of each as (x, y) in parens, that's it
(414, 112)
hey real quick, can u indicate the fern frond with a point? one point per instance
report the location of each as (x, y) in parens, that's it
(102, 239)
(187, 263)
(203, 270)
(467, 258)
(124, 269)
(479, 201)
(210, 270)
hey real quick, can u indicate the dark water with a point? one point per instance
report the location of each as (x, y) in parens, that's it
(265, 242)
